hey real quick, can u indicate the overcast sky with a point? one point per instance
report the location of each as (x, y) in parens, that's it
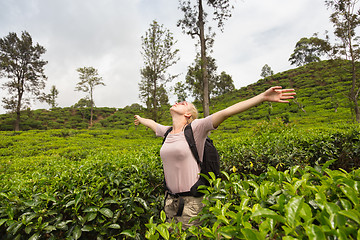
(107, 34)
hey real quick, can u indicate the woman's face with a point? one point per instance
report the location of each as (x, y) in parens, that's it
(181, 107)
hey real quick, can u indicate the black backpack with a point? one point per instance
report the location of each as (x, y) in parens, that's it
(210, 162)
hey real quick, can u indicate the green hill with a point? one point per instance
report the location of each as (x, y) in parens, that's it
(321, 99)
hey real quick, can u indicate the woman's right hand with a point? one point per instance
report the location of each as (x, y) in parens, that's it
(137, 120)
(146, 122)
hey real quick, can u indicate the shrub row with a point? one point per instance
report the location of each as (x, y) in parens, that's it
(98, 197)
(309, 203)
(88, 184)
(285, 145)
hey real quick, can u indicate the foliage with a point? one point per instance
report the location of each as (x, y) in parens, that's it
(159, 55)
(266, 71)
(87, 184)
(299, 203)
(218, 84)
(284, 145)
(321, 89)
(59, 118)
(194, 78)
(51, 97)
(346, 20)
(72, 184)
(89, 77)
(20, 62)
(308, 50)
(180, 91)
(225, 84)
(321, 99)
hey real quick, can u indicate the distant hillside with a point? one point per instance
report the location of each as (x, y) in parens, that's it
(321, 99)
(71, 118)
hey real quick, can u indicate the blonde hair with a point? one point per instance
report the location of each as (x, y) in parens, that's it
(194, 112)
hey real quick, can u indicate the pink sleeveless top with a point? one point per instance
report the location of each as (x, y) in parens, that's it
(180, 167)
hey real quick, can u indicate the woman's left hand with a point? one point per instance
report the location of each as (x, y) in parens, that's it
(277, 94)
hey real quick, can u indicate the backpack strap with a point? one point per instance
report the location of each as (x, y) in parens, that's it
(189, 135)
(166, 134)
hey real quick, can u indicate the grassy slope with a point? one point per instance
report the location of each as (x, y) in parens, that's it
(321, 98)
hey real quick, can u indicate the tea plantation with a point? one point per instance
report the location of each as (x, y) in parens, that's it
(290, 171)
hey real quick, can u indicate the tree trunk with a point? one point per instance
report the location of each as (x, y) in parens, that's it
(17, 121)
(353, 92)
(18, 110)
(91, 109)
(357, 110)
(154, 102)
(204, 62)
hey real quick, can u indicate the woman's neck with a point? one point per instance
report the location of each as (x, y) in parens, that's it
(179, 124)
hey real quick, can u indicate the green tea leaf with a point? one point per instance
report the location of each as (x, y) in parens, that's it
(352, 214)
(114, 226)
(315, 232)
(90, 216)
(87, 228)
(250, 234)
(2, 221)
(78, 199)
(35, 236)
(62, 226)
(77, 232)
(350, 193)
(227, 231)
(128, 233)
(91, 209)
(49, 228)
(292, 210)
(265, 212)
(72, 202)
(163, 216)
(346, 204)
(163, 231)
(106, 212)
(142, 202)
(305, 212)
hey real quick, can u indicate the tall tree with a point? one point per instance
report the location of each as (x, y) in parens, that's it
(346, 19)
(180, 91)
(21, 63)
(159, 54)
(194, 78)
(51, 97)
(193, 24)
(90, 78)
(218, 84)
(308, 50)
(224, 84)
(266, 71)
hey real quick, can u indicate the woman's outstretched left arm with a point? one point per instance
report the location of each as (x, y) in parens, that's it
(273, 94)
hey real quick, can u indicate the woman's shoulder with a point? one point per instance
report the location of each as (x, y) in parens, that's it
(161, 130)
(203, 123)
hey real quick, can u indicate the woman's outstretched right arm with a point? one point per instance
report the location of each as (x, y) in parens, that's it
(146, 122)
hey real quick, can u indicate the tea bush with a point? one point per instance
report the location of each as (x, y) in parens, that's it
(299, 203)
(107, 184)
